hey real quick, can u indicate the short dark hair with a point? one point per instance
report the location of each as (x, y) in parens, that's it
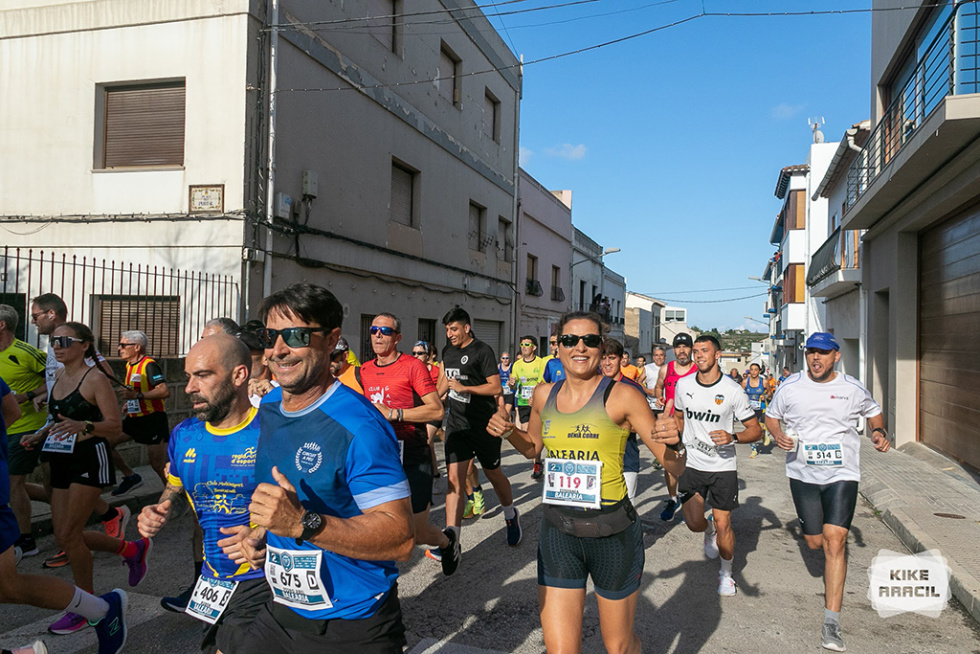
(308, 302)
(579, 315)
(249, 335)
(456, 314)
(612, 346)
(51, 302)
(533, 340)
(756, 365)
(708, 338)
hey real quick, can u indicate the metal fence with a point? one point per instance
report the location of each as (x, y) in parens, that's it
(839, 252)
(949, 66)
(169, 304)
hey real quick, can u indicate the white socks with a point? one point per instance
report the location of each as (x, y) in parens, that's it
(88, 606)
(509, 511)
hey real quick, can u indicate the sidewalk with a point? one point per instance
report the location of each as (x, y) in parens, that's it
(135, 500)
(910, 488)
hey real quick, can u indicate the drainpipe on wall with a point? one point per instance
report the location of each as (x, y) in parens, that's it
(270, 200)
(517, 204)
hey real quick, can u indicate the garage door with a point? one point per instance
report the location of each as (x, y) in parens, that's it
(949, 337)
(488, 331)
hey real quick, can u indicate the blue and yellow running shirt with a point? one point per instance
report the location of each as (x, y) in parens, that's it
(342, 457)
(216, 468)
(588, 434)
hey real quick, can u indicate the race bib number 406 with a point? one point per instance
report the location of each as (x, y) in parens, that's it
(294, 576)
(823, 454)
(210, 598)
(573, 483)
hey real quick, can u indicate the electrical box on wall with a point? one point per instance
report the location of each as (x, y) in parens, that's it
(283, 206)
(309, 184)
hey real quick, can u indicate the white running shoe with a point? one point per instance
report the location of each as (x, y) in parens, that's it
(726, 585)
(711, 541)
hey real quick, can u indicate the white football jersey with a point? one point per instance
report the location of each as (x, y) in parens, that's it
(707, 409)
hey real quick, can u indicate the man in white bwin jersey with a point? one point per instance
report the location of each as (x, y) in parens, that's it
(820, 411)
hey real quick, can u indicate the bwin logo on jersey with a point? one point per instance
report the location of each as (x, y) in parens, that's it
(309, 458)
(703, 416)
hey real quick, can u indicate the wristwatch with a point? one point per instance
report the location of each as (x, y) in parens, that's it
(89, 427)
(881, 429)
(312, 522)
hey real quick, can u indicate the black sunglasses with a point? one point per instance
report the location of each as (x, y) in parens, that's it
(571, 340)
(387, 331)
(65, 341)
(291, 336)
(417, 353)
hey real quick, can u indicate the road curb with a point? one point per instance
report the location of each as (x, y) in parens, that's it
(964, 586)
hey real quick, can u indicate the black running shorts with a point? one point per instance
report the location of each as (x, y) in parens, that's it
(232, 628)
(420, 485)
(824, 504)
(720, 489)
(151, 429)
(464, 445)
(89, 465)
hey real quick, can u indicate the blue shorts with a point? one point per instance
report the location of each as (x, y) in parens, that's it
(631, 455)
(9, 529)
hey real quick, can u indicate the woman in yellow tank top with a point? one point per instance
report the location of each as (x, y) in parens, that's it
(590, 528)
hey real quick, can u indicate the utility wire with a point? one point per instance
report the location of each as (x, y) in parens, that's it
(731, 299)
(704, 290)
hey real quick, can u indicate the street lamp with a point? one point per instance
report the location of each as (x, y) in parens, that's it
(758, 321)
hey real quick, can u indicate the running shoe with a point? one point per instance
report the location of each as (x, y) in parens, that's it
(18, 554)
(755, 451)
(116, 527)
(479, 504)
(726, 585)
(468, 510)
(670, 510)
(178, 603)
(514, 532)
(59, 560)
(766, 438)
(537, 471)
(832, 639)
(111, 629)
(434, 553)
(28, 546)
(129, 483)
(137, 563)
(37, 647)
(69, 623)
(452, 554)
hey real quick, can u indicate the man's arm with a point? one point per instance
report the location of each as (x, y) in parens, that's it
(430, 411)
(658, 388)
(10, 409)
(879, 437)
(656, 432)
(34, 392)
(491, 387)
(381, 533)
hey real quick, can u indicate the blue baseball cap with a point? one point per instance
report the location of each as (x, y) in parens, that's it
(822, 341)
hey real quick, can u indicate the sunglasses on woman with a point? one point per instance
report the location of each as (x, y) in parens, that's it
(65, 341)
(291, 336)
(419, 353)
(571, 340)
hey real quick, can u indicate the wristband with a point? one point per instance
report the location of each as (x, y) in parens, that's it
(401, 415)
(675, 446)
(139, 396)
(30, 395)
(881, 429)
(389, 414)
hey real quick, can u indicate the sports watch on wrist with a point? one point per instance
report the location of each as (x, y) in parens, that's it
(89, 427)
(312, 522)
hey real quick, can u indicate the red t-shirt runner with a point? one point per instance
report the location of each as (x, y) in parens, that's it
(401, 385)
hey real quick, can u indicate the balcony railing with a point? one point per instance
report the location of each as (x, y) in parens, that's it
(839, 252)
(948, 67)
(557, 294)
(533, 287)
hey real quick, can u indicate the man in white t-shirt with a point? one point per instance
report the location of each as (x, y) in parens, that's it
(706, 406)
(652, 371)
(821, 411)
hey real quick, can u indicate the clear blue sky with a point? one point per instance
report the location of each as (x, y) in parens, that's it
(672, 142)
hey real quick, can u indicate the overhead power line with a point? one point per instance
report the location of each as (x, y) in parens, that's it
(731, 299)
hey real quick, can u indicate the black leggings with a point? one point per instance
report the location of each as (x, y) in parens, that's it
(824, 504)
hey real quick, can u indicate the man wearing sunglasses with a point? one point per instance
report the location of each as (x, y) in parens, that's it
(822, 409)
(527, 373)
(22, 367)
(473, 383)
(332, 507)
(401, 388)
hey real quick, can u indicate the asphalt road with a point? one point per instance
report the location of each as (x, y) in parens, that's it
(490, 604)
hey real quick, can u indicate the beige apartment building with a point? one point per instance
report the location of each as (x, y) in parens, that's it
(255, 144)
(915, 188)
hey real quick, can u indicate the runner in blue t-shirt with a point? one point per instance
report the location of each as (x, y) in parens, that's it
(107, 613)
(332, 507)
(212, 460)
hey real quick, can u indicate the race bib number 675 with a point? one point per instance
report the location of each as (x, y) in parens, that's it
(294, 576)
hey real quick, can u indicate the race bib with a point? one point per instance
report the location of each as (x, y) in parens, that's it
(756, 405)
(824, 454)
(527, 392)
(573, 483)
(294, 576)
(210, 598)
(705, 448)
(132, 406)
(63, 444)
(460, 397)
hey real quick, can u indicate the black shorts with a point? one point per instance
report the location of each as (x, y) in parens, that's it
(615, 562)
(509, 399)
(760, 415)
(631, 455)
(20, 460)
(720, 489)
(420, 484)
(89, 465)
(824, 504)
(9, 529)
(382, 633)
(231, 629)
(151, 429)
(464, 445)
(524, 414)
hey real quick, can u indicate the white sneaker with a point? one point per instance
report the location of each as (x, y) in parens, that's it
(726, 585)
(711, 544)
(18, 554)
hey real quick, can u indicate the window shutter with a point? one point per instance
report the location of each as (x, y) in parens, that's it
(447, 77)
(156, 316)
(381, 21)
(401, 195)
(144, 126)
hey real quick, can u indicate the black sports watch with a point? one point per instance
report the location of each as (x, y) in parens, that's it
(312, 522)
